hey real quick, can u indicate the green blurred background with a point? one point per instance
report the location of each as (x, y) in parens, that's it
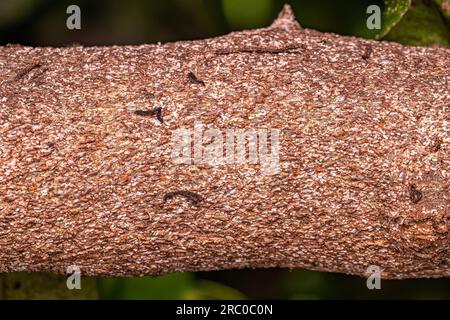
(42, 22)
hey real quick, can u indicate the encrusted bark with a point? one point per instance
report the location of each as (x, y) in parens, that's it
(87, 177)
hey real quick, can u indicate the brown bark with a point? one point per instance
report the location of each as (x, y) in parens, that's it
(87, 178)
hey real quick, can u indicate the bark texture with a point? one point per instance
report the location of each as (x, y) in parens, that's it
(87, 177)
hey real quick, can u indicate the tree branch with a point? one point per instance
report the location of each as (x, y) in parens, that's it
(87, 179)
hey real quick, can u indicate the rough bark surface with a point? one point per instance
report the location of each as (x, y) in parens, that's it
(87, 177)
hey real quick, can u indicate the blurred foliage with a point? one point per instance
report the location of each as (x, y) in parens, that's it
(106, 22)
(44, 286)
(393, 12)
(444, 8)
(207, 290)
(42, 22)
(418, 22)
(173, 286)
(247, 14)
(227, 284)
(163, 287)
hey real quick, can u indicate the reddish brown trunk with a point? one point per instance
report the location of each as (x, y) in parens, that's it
(87, 177)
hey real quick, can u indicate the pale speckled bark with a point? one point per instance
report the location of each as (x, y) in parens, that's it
(364, 156)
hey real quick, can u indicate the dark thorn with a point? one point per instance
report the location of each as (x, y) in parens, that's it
(436, 146)
(193, 79)
(159, 114)
(8, 199)
(367, 52)
(148, 113)
(415, 195)
(193, 197)
(26, 70)
(144, 113)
